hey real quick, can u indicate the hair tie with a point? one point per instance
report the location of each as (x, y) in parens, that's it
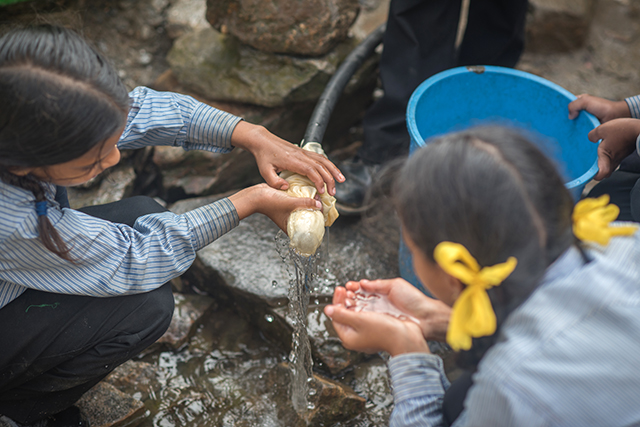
(472, 314)
(591, 218)
(41, 208)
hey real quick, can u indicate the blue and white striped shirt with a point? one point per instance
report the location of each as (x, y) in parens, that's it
(115, 259)
(633, 102)
(568, 356)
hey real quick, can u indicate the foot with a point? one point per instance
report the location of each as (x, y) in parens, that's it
(350, 194)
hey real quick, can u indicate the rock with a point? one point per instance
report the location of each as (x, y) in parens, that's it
(116, 184)
(188, 312)
(140, 380)
(330, 403)
(106, 406)
(309, 28)
(558, 25)
(219, 67)
(200, 173)
(185, 16)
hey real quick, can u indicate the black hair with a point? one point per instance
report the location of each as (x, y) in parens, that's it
(495, 192)
(60, 98)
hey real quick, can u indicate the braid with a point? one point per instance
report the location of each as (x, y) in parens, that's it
(46, 231)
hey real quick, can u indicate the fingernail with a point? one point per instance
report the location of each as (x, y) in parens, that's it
(318, 204)
(328, 310)
(341, 177)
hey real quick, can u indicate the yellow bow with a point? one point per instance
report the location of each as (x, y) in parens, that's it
(472, 314)
(591, 218)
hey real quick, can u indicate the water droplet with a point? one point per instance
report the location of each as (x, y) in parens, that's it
(268, 318)
(311, 406)
(309, 379)
(316, 301)
(312, 392)
(274, 283)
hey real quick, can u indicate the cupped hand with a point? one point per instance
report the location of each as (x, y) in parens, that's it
(432, 313)
(618, 141)
(373, 332)
(604, 109)
(274, 155)
(275, 204)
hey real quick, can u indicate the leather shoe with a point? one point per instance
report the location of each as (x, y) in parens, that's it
(350, 194)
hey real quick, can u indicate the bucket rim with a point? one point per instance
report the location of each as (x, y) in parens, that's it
(425, 85)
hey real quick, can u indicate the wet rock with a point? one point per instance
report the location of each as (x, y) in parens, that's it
(140, 380)
(184, 16)
(106, 406)
(219, 67)
(187, 314)
(116, 184)
(558, 25)
(329, 403)
(310, 28)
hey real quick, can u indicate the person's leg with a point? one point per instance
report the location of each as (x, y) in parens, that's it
(418, 42)
(56, 347)
(59, 346)
(125, 211)
(494, 33)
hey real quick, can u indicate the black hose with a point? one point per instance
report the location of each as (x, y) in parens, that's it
(321, 114)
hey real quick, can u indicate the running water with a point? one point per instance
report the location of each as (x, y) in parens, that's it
(301, 362)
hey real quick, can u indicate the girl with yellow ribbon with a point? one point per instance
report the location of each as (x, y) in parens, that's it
(527, 313)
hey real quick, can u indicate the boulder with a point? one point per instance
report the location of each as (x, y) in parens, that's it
(219, 67)
(308, 28)
(106, 406)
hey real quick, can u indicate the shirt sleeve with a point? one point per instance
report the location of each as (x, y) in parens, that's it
(419, 384)
(168, 118)
(111, 259)
(634, 106)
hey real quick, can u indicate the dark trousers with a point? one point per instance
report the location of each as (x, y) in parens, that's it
(623, 186)
(56, 347)
(419, 42)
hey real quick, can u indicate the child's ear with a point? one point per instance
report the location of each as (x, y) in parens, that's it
(456, 287)
(21, 171)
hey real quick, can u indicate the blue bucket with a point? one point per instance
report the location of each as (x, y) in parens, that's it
(467, 96)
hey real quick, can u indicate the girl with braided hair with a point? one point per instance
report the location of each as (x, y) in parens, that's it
(540, 299)
(82, 291)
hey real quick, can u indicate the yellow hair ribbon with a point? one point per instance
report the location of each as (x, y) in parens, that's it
(591, 218)
(472, 314)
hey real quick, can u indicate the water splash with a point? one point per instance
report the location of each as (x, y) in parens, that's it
(301, 362)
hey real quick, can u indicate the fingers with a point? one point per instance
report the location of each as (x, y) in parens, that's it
(273, 180)
(339, 295)
(580, 103)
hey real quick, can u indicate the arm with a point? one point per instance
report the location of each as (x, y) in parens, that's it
(166, 118)
(603, 109)
(115, 259)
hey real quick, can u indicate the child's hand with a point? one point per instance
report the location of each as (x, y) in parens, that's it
(603, 109)
(372, 332)
(618, 141)
(433, 314)
(274, 155)
(275, 204)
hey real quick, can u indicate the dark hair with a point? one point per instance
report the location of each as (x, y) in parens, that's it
(60, 98)
(493, 191)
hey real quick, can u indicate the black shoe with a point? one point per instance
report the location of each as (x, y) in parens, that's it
(350, 194)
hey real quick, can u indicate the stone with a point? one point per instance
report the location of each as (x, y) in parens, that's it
(106, 406)
(185, 16)
(187, 314)
(195, 173)
(219, 67)
(115, 184)
(309, 28)
(558, 25)
(140, 380)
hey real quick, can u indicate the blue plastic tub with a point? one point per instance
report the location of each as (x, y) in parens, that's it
(466, 96)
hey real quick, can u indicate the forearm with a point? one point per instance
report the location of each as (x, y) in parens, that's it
(167, 118)
(435, 321)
